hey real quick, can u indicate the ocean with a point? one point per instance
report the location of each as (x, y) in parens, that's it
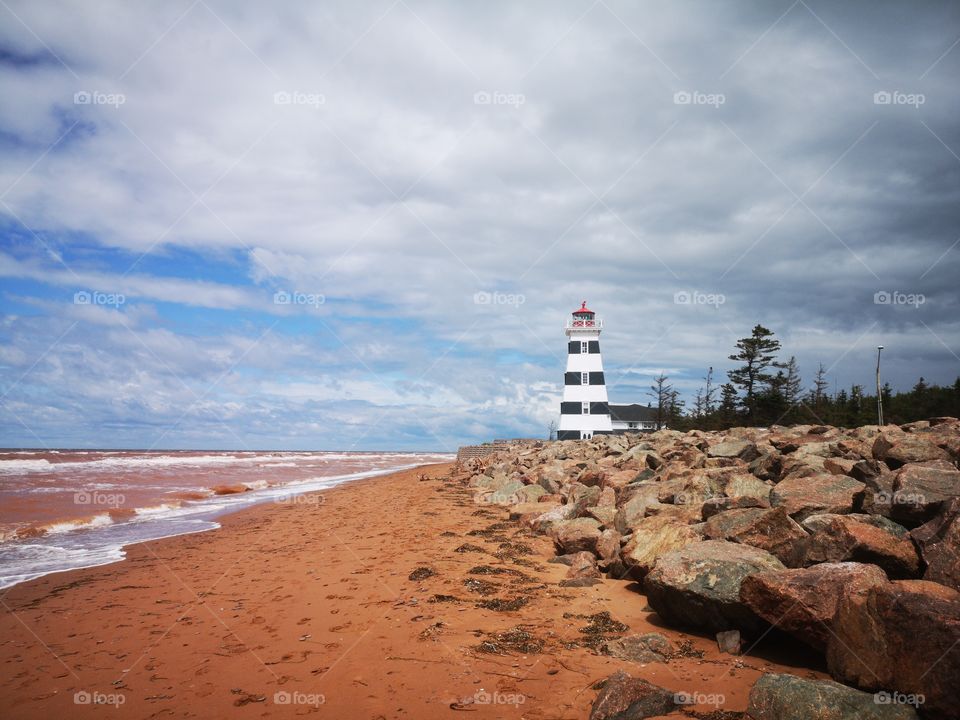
(67, 509)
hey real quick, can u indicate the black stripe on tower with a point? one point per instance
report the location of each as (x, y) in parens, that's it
(571, 378)
(594, 347)
(571, 408)
(568, 435)
(596, 408)
(596, 378)
(573, 348)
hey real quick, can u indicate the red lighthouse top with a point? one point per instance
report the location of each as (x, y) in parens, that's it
(583, 310)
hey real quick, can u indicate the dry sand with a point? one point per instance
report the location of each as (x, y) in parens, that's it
(313, 601)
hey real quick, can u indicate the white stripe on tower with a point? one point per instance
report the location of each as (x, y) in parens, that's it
(584, 410)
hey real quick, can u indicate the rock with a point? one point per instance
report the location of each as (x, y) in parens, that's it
(551, 516)
(608, 547)
(530, 494)
(796, 466)
(939, 543)
(742, 449)
(582, 564)
(839, 466)
(806, 496)
(627, 698)
(634, 507)
(608, 498)
(603, 515)
(861, 538)
(619, 479)
(525, 512)
(591, 476)
(904, 636)
(717, 505)
(646, 648)
(742, 485)
(580, 582)
(768, 529)
(866, 469)
(652, 537)
(699, 585)
(583, 497)
(877, 496)
(575, 535)
(920, 489)
(788, 697)
(507, 494)
(729, 642)
(900, 448)
(680, 514)
(803, 602)
(767, 466)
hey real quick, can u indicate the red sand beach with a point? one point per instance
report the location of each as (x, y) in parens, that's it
(309, 608)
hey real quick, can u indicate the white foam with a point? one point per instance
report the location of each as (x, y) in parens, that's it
(87, 524)
(137, 462)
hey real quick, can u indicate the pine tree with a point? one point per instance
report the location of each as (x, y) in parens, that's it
(728, 405)
(757, 353)
(708, 392)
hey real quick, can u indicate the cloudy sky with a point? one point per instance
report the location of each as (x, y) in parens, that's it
(362, 225)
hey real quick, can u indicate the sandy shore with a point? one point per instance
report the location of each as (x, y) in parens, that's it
(308, 608)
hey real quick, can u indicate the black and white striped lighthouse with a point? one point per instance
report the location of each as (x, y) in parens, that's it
(584, 411)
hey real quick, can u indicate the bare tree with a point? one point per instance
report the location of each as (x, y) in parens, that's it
(661, 391)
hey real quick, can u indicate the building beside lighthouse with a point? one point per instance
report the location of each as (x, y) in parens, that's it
(584, 410)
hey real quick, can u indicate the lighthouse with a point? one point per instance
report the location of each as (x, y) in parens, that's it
(584, 411)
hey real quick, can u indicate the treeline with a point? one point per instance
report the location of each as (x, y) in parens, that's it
(766, 390)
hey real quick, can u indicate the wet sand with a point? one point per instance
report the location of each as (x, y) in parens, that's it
(309, 609)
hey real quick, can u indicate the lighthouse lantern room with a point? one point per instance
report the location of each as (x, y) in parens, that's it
(584, 411)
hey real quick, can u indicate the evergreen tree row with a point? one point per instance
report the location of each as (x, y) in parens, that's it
(765, 390)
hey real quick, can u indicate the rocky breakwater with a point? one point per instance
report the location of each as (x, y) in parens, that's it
(845, 540)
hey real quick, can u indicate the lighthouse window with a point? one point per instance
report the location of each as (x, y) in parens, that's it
(583, 347)
(584, 378)
(586, 408)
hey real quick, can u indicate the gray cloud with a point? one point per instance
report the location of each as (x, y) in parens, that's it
(386, 187)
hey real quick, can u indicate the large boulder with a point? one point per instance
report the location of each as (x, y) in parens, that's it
(583, 497)
(579, 534)
(506, 494)
(652, 537)
(550, 516)
(903, 636)
(803, 601)
(607, 548)
(898, 448)
(745, 485)
(861, 538)
(939, 543)
(528, 512)
(814, 494)
(583, 564)
(919, 490)
(627, 698)
(768, 529)
(637, 499)
(743, 449)
(788, 697)
(699, 585)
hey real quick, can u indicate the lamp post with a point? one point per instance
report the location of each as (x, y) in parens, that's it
(879, 395)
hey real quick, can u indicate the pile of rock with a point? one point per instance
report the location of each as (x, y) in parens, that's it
(848, 540)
